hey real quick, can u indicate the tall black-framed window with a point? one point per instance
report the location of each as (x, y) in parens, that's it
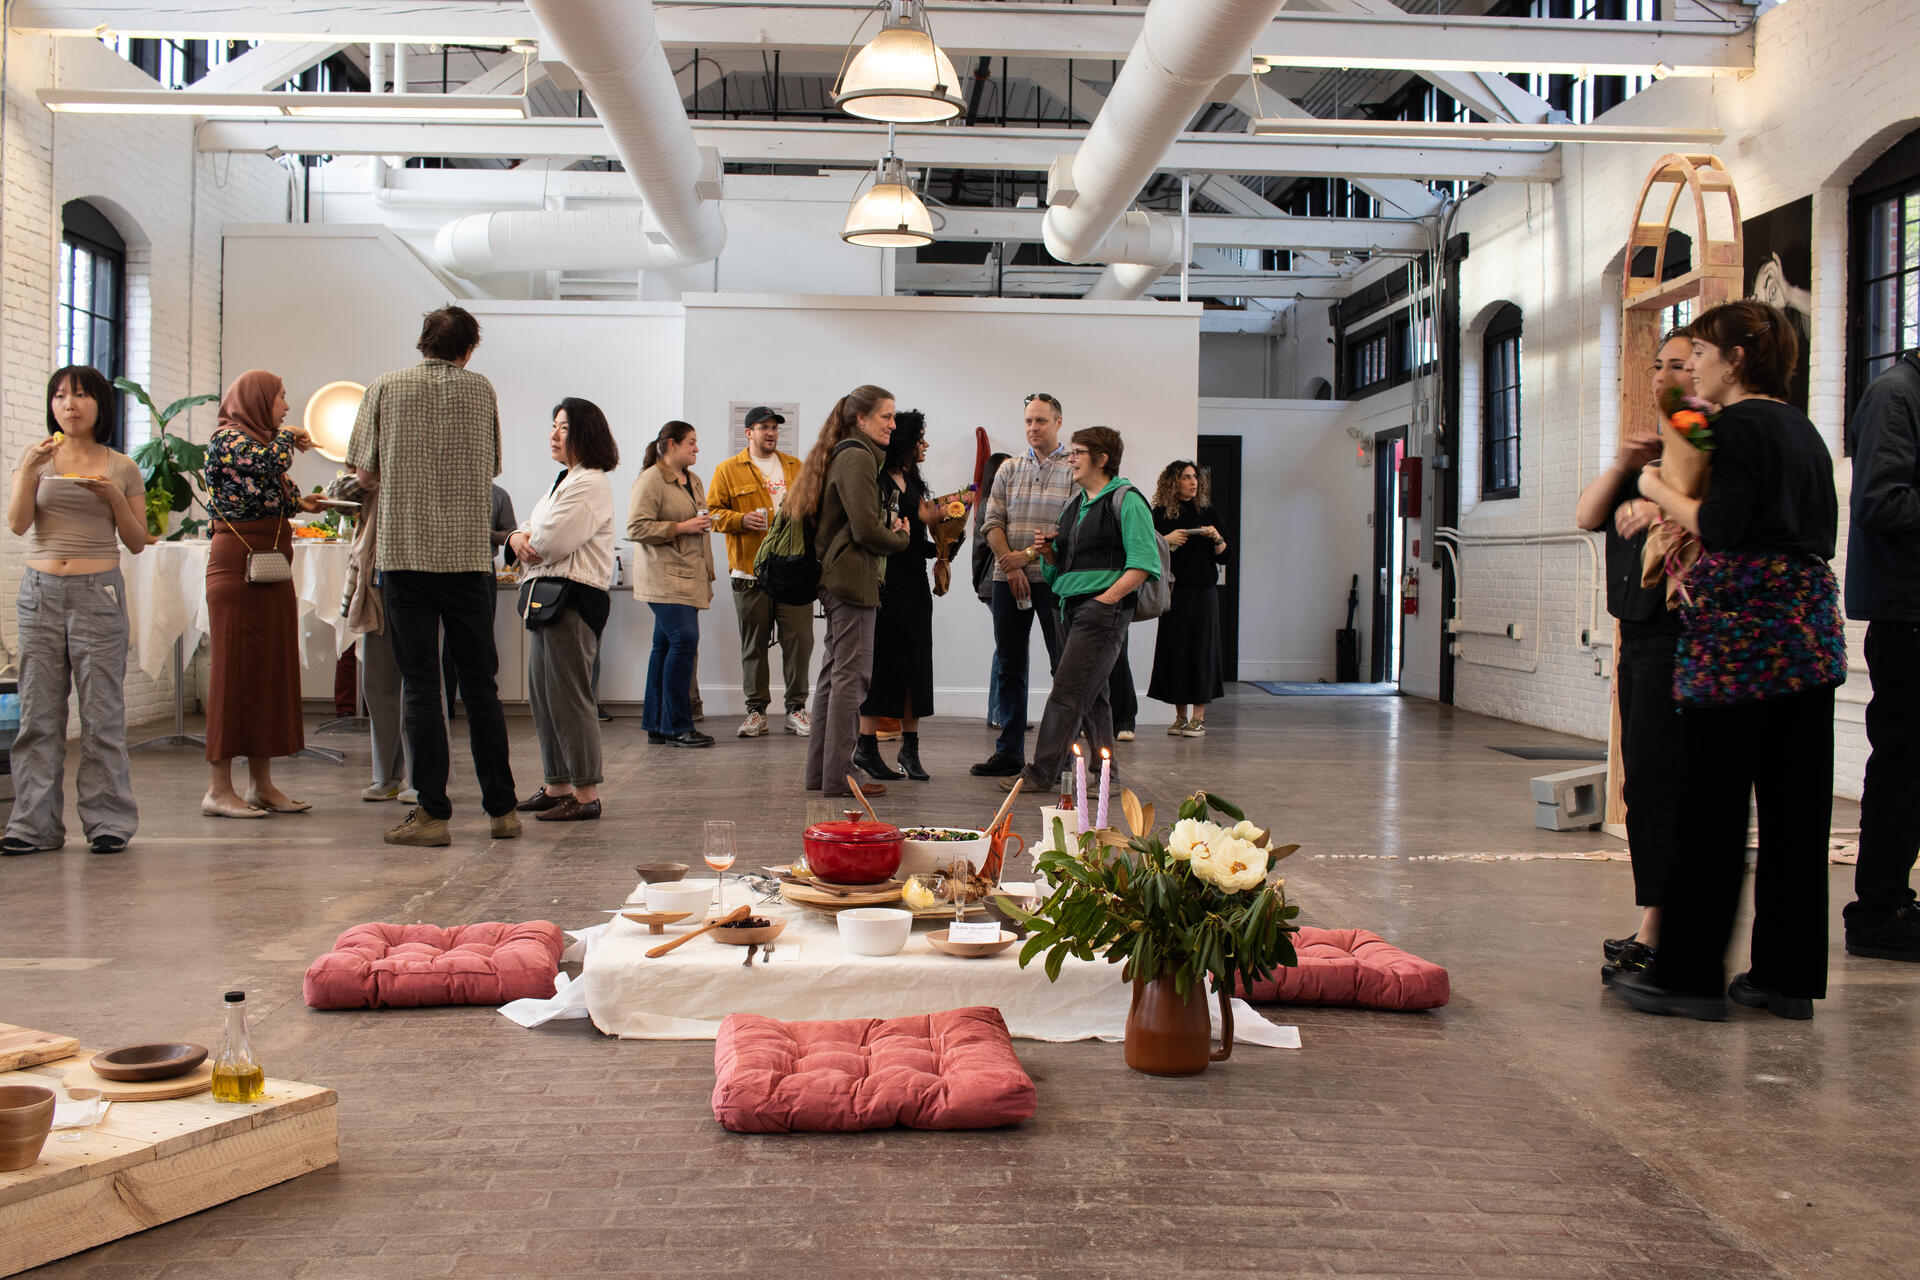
(91, 323)
(1884, 307)
(1500, 407)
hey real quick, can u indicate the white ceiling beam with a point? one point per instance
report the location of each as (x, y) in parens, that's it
(1503, 100)
(510, 75)
(265, 67)
(1276, 232)
(1399, 41)
(985, 278)
(1409, 197)
(761, 142)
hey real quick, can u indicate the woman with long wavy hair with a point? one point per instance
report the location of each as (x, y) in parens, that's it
(838, 494)
(1186, 653)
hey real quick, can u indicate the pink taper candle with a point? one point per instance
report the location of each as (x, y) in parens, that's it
(1079, 790)
(1106, 776)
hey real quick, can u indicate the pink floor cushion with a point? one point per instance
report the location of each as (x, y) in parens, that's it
(402, 966)
(1354, 967)
(953, 1070)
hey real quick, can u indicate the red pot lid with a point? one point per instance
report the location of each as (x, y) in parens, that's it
(854, 832)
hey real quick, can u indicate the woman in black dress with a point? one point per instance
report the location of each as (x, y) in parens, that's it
(1186, 654)
(902, 686)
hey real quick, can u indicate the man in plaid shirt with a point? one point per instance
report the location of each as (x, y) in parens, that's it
(1028, 495)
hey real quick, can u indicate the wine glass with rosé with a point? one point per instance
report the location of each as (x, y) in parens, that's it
(719, 853)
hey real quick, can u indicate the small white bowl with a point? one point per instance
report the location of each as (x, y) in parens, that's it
(680, 895)
(874, 931)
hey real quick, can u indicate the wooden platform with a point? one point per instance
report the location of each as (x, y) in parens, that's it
(152, 1162)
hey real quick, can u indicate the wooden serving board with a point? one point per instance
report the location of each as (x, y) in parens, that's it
(801, 895)
(198, 1080)
(25, 1047)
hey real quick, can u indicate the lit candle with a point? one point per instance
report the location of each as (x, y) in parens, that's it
(1106, 776)
(1079, 790)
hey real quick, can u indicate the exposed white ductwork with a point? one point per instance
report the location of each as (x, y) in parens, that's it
(1185, 48)
(1125, 281)
(614, 49)
(576, 240)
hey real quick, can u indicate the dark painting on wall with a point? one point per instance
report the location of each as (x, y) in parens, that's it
(1779, 270)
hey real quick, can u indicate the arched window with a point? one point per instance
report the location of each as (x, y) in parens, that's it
(92, 320)
(1884, 310)
(1500, 407)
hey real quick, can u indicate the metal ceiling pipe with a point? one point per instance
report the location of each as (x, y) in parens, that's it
(532, 240)
(615, 51)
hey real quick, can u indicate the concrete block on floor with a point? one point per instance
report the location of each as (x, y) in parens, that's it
(1571, 800)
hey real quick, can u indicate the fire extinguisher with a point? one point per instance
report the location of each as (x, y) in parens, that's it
(1410, 591)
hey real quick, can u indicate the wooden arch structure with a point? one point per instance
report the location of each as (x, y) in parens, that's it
(1717, 275)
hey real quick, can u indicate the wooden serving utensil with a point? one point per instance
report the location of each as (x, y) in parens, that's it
(861, 796)
(1006, 804)
(738, 913)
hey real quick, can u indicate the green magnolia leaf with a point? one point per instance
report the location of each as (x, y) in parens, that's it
(1227, 807)
(181, 405)
(1035, 945)
(1055, 959)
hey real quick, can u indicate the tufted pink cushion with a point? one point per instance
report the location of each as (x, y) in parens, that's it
(398, 966)
(1354, 967)
(953, 1070)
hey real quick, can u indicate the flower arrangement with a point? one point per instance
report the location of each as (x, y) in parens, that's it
(1195, 904)
(1686, 463)
(1690, 417)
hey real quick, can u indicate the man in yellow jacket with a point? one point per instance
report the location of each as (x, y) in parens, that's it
(746, 490)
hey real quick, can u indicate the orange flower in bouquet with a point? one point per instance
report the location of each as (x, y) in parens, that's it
(1686, 463)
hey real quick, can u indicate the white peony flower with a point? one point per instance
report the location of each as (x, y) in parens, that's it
(1190, 838)
(1247, 831)
(1231, 863)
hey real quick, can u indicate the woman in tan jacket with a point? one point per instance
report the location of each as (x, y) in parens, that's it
(668, 521)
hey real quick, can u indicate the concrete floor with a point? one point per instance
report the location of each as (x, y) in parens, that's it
(1530, 1128)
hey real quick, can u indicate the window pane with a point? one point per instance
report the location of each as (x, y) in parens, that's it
(1883, 317)
(1910, 311)
(1883, 245)
(66, 274)
(106, 287)
(102, 347)
(82, 277)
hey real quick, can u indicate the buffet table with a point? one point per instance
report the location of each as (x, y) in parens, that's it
(684, 994)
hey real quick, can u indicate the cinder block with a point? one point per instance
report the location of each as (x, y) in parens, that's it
(1571, 800)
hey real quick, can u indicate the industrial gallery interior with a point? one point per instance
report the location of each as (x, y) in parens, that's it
(960, 637)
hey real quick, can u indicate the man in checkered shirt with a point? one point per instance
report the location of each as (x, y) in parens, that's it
(428, 438)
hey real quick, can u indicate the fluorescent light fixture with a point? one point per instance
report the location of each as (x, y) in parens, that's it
(901, 75)
(329, 418)
(888, 215)
(1403, 131)
(273, 106)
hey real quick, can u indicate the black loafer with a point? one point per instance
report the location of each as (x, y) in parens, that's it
(571, 809)
(1640, 991)
(1610, 948)
(691, 738)
(1743, 991)
(108, 844)
(539, 802)
(998, 765)
(1635, 957)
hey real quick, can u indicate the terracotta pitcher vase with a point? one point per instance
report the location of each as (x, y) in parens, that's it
(1169, 1036)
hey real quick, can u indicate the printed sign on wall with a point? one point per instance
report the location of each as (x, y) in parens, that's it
(789, 430)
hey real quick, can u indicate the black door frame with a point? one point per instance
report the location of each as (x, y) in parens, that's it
(1221, 455)
(1385, 500)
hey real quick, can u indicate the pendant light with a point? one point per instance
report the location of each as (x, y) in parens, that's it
(330, 417)
(888, 215)
(901, 75)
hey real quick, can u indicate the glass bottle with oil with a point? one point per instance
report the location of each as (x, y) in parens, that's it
(237, 1073)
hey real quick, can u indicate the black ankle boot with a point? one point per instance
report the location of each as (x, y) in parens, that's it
(910, 757)
(866, 757)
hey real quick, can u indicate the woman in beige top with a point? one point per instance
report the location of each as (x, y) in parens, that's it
(667, 519)
(83, 501)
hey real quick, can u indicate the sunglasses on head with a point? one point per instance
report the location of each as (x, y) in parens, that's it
(1041, 395)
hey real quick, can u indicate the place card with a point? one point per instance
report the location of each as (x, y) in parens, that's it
(988, 931)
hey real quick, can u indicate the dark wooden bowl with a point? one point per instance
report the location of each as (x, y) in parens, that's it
(149, 1061)
(663, 872)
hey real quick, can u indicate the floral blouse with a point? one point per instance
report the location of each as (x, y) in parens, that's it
(243, 476)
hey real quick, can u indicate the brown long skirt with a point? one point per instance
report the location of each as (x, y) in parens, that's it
(253, 693)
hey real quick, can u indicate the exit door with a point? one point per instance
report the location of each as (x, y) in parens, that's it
(1219, 458)
(1390, 561)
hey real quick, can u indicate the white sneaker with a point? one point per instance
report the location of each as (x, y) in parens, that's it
(1177, 728)
(1125, 735)
(409, 796)
(381, 791)
(754, 726)
(798, 722)
(1194, 729)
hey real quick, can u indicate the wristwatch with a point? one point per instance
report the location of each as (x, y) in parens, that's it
(1032, 555)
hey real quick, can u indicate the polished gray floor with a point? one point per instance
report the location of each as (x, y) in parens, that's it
(1532, 1127)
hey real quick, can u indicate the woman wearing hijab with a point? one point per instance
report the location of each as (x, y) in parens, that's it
(253, 695)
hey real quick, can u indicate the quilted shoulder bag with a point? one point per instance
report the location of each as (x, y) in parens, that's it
(265, 568)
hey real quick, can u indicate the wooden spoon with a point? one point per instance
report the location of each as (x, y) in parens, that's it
(861, 796)
(1006, 804)
(738, 913)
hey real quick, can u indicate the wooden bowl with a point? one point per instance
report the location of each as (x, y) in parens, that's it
(656, 921)
(749, 937)
(663, 872)
(971, 950)
(149, 1061)
(26, 1117)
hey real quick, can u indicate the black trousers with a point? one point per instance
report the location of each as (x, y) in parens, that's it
(1780, 753)
(1890, 803)
(1649, 732)
(1121, 693)
(419, 606)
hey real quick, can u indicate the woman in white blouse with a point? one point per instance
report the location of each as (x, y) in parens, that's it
(569, 538)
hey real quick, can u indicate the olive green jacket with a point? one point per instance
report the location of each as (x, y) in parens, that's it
(850, 533)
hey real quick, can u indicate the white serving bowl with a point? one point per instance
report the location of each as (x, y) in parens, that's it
(920, 856)
(874, 931)
(680, 895)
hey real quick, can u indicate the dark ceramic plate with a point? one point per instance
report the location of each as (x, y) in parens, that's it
(663, 872)
(149, 1061)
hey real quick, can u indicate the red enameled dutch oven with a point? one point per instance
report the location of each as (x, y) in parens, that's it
(853, 852)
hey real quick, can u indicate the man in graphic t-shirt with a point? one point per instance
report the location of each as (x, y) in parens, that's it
(746, 490)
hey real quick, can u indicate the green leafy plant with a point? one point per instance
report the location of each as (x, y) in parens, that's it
(173, 467)
(1196, 902)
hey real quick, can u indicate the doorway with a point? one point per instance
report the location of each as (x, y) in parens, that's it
(1389, 554)
(1219, 458)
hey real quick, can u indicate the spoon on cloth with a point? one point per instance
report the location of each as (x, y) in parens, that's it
(738, 913)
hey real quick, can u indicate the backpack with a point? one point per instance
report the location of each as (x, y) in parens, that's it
(1155, 595)
(787, 566)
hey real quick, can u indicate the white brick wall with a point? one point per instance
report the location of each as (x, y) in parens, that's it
(167, 203)
(1833, 86)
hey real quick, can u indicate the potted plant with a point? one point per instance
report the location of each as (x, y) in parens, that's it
(172, 466)
(1179, 910)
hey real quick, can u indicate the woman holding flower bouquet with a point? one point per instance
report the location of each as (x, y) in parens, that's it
(1759, 658)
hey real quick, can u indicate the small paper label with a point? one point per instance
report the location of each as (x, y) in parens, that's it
(984, 932)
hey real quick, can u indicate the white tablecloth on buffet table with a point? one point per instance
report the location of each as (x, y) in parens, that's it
(684, 994)
(167, 595)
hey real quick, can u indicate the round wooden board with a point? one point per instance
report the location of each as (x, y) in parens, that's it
(199, 1080)
(800, 895)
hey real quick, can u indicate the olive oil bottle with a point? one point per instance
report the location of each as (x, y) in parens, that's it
(237, 1073)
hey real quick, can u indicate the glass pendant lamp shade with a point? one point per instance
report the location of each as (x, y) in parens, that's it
(888, 215)
(901, 76)
(329, 418)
